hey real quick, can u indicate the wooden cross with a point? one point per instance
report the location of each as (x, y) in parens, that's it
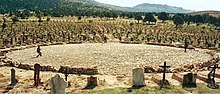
(66, 74)
(164, 72)
(212, 80)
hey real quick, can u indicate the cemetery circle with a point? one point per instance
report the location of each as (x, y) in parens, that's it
(111, 58)
(107, 56)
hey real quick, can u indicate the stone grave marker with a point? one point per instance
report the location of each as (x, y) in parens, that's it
(92, 82)
(13, 79)
(58, 85)
(138, 77)
(189, 80)
(211, 77)
(164, 82)
(37, 74)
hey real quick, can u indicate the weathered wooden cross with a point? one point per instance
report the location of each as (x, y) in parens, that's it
(164, 82)
(66, 74)
(211, 81)
(37, 69)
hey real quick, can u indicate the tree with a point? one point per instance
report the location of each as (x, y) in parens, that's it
(138, 18)
(163, 16)
(149, 17)
(198, 19)
(178, 20)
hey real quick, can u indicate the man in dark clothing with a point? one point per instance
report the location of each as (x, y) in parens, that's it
(38, 51)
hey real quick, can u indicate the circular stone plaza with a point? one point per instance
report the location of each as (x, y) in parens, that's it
(110, 58)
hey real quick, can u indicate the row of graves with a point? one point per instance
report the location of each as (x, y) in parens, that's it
(27, 33)
(58, 84)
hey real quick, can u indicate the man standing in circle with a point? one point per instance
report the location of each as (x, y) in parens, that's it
(38, 51)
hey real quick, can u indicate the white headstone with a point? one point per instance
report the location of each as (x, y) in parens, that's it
(58, 85)
(138, 77)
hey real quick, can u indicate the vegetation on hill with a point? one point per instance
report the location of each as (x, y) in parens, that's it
(53, 7)
(160, 8)
(79, 8)
(211, 13)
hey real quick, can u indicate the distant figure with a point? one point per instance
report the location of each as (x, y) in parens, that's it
(38, 51)
(186, 44)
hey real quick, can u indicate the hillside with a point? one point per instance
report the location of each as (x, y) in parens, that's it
(54, 7)
(80, 7)
(211, 13)
(146, 7)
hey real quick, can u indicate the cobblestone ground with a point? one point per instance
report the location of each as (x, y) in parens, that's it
(110, 58)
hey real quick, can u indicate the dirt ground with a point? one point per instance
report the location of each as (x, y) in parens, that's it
(78, 83)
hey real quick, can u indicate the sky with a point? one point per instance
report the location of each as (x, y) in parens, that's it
(197, 5)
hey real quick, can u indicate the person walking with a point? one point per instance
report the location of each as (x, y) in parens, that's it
(39, 51)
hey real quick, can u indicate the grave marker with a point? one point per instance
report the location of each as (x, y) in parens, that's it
(66, 74)
(92, 82)
(164, 82)
(138, 77)
(211, 77)
(58, 85)
(13, 79)
(37, 74)
(189, 80)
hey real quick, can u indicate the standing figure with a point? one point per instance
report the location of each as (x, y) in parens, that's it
(186, 44)
(38, 51)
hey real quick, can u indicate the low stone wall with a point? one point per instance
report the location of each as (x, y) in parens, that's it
(62, 69)
(75, 70)
(189, 67)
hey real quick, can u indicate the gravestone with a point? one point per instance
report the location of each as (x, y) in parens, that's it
(138, 77)
(189, 80)
(37, 74)
(13, 79)
(211, 77)
(164, 82)
(92, 82)
(58, 85)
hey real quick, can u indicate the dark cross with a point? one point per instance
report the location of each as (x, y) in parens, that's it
(164, 73)
(211, 81)
(66, 74)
